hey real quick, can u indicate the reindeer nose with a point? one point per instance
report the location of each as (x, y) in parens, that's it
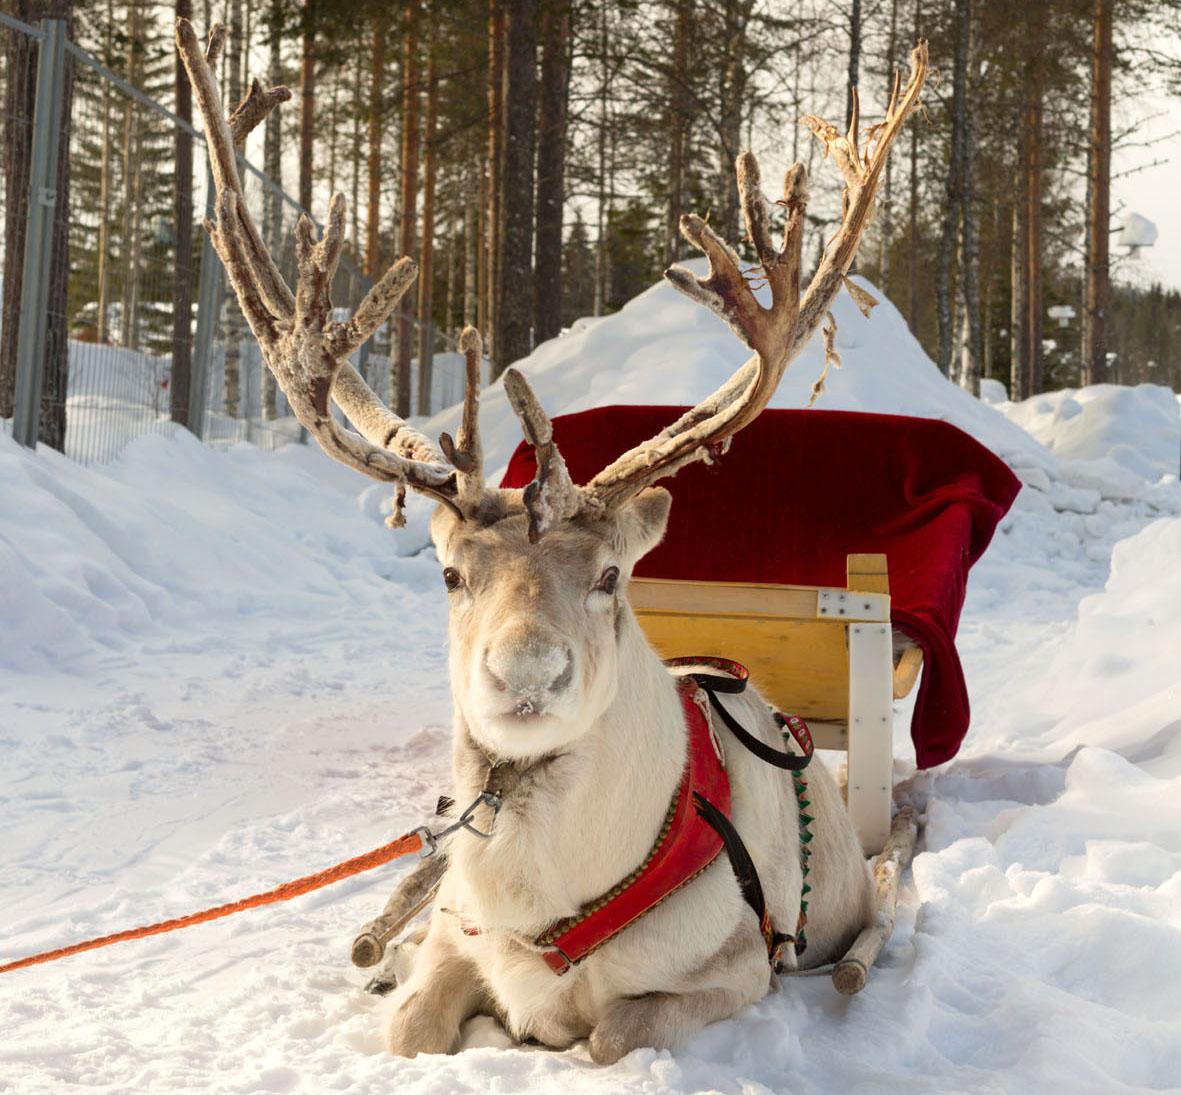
(534, 669)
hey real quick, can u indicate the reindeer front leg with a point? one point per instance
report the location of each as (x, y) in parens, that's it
(659, 1020)
(735, 977)
(443, 990)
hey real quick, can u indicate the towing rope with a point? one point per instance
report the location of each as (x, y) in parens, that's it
(404, 845)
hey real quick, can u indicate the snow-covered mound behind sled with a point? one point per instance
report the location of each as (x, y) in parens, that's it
(1113, 437)
(662, 348)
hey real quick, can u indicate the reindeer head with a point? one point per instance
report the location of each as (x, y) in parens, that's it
(536, 578)
(535, 625)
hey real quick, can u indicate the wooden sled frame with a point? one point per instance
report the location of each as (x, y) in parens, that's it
(825, 654)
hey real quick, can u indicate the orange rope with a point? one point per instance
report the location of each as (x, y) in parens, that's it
(404, 845)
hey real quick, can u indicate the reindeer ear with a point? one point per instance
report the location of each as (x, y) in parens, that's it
(641, 522)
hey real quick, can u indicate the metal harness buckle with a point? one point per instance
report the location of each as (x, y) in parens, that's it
(430, 841)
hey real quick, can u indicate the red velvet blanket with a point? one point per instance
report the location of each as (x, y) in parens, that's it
(798, 491)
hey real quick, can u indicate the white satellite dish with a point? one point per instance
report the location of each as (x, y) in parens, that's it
(1136, 232)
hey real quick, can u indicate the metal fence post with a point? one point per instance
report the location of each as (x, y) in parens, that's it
(34, 312)
(208, 299)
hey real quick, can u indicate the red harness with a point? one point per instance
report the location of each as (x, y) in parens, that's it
(696, 829)
(686, 846)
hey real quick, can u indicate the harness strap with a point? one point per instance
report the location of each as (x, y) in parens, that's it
(790, 762)
(748, 882)
(733, 681)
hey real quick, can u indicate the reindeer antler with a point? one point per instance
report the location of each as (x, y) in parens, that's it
(307, 350)
(778, 334)
(302, 345)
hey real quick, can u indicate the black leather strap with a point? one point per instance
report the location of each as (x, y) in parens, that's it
(747, 876)
(789, 761)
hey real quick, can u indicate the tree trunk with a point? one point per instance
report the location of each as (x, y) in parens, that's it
(483, 257)
(376, 112)
(273, 165)
(551, 167)
(1019, 308)
(333, 130)
(1098, 288)
(886, 230)
(129, 297)
(601, 205)
(515, 293)
(954, 189)
(854, 58)
(180, 382)
(972, 349)
(404, 348)
(426, 276)
(912, 280)
(471, 258)
(493, 224)
(103, 321)
(680, 109)
(235, 328)
(451, 320)
(307, 103)
(360, 113)
(1033, 238)
(732, 97)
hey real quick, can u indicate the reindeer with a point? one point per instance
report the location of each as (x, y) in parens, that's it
(565, 718)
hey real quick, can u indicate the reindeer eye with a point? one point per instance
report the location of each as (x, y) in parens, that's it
(609, 580)
(452, 579)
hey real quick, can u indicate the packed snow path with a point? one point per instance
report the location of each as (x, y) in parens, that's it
(218, 674)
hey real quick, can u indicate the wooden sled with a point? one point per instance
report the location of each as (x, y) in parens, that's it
(826, 654)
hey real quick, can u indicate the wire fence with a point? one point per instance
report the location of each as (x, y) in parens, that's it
(127, 273)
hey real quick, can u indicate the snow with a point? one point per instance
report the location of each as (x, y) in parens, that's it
(1126, 435)
(220, 671)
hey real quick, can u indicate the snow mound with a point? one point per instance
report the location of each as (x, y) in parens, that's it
(1126, 434)
(1118, 688)
(93, 559)
(662, 348)
(217, 675)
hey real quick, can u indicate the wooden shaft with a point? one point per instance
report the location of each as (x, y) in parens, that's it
(413, 894)
(851, 972)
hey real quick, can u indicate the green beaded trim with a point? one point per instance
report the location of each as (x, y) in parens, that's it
(806, 834)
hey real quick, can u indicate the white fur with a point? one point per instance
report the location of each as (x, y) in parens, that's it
(584, 818)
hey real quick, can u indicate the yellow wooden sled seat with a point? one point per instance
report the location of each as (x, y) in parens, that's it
(823, 653)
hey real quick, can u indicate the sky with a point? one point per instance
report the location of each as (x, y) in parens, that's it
(1154, 192)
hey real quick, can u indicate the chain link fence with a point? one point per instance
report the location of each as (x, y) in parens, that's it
(127, 272)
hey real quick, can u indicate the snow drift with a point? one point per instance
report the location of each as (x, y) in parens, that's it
(218, 674)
